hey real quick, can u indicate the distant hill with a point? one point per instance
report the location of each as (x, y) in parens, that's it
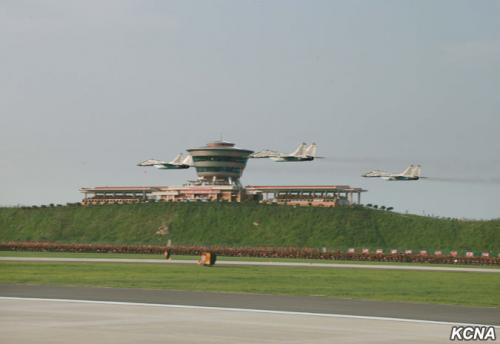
(245, 224)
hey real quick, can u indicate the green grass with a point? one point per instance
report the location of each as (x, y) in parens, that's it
(220, 258)
(414, 286)
(246, 224)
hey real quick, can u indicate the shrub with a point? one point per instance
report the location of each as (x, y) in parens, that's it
(264, 252)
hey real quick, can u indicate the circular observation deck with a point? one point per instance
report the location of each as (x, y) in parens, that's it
(219, 162)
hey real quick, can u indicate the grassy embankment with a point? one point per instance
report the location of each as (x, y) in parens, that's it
(415, 286)
(253, 225)
(249, 225)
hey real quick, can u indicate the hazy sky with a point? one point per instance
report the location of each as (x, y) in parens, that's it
(89, 88)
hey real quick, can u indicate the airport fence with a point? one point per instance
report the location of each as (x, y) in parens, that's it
(408, 256)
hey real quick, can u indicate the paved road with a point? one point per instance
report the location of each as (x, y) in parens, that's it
(46, 321)
(250, 263)
(307, 304)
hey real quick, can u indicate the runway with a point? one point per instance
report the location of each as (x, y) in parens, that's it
(47, 321)
(254, 263)
(302, 304)
(103, 315)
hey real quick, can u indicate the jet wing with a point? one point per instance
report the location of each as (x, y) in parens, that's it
(376, 174)
(266, 153)
(152, 162)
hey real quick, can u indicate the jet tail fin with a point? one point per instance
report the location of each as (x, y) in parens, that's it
(178, 159)
(408, 171)
(299, 151)
(188, 160)
(311, 150)
(412, 171)
(416, 171)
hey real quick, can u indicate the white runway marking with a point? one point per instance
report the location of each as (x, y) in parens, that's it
(252, 263)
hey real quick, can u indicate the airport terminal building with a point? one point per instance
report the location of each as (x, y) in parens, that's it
(219, 166)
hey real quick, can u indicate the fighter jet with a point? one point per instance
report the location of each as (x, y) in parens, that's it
(180, 162)
(412, 172)
(303, 152)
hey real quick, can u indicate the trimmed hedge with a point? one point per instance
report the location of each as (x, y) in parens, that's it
(263, 252)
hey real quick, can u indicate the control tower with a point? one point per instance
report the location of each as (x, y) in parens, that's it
(219, 163)
(219, 166)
